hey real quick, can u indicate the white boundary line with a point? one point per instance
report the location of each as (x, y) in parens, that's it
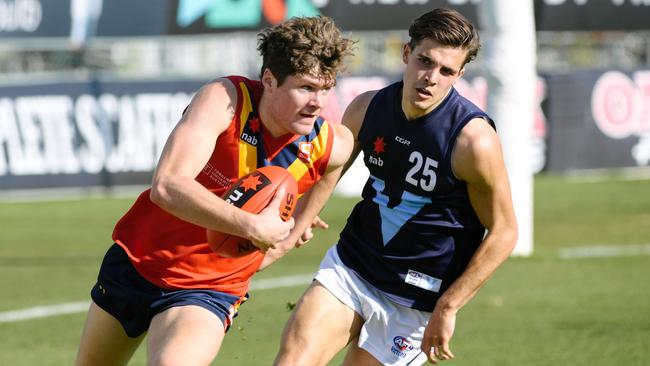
(605, 250)
(82, 306)
(43, 311)
(594, 251)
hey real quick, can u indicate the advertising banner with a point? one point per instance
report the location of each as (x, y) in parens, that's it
(34, 18)
(106, 133)
(550, 15)
(599, 119)
(122, 18)
(86, 133)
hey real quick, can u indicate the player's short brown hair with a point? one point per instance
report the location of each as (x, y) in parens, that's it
(304, 46)
(447, 27)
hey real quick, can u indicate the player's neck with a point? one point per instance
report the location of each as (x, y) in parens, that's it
(412, 112)
(270, 123)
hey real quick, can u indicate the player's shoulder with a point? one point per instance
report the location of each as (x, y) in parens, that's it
(356, 111)
(360, 102)
(222, 87)
(478, 133)
(342, 145)
(214, 102)
(476, 146)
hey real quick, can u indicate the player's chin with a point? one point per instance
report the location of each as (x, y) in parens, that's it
(423, 101)
(303, 126)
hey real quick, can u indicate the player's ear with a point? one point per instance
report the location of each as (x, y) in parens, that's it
(406, 51)
(268, 79)
(461, 73)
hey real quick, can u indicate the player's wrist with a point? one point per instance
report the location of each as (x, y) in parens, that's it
(447, 307)
(251, 227)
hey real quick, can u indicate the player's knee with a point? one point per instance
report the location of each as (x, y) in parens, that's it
(289, 357)
(166, 358)
(295, 349)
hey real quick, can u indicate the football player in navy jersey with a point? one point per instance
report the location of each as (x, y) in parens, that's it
(435, 222)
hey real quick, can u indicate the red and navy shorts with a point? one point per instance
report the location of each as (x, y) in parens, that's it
(126, 295)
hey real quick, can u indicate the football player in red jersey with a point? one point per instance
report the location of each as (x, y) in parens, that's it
(161, 277)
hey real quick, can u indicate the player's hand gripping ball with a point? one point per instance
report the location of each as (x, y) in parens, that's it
(252, 193)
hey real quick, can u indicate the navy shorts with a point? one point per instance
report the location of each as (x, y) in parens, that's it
(122, 292)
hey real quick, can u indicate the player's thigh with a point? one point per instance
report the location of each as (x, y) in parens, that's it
(186, 335)
(318, 329)
(356, 356)
(104, 341)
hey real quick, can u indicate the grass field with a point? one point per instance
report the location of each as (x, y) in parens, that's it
(541, 310)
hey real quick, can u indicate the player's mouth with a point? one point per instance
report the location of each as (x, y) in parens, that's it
(308, 115)
(423, 92)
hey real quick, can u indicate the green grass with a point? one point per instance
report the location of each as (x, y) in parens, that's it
(540, 310)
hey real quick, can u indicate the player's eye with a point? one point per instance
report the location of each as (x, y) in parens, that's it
(447, 72)
(425, 61)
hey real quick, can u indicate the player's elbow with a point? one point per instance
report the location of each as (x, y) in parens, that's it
(510, 235)
(160, 192)
(505, 236)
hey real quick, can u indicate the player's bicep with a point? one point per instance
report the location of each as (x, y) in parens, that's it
(342, 147)
(192, 141)
(478, 160)
(353, 118)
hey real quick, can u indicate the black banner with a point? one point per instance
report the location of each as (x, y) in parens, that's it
(96, 133)
(550, 15)
(122, 18)
(598, 119)
(105, 132)
(34, 18)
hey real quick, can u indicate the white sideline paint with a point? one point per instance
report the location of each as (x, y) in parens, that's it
(43, 311)
(82, 306)
(596, 251)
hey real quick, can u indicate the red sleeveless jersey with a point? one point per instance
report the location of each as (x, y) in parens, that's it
(172, 253)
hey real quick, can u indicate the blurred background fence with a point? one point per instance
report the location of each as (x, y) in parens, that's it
(89, 89)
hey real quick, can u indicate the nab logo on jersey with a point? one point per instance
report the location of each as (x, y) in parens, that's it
(251, 139)
(375, 160)
(379, 146)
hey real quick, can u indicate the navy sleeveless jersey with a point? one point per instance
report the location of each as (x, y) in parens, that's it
(414, 231)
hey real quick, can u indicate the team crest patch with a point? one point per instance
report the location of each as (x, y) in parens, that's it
(304, 151)
(401, 346)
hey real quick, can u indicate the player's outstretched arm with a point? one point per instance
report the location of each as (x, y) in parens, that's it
(344, 152)
(478, 160)
(185, 154)
(313, 201)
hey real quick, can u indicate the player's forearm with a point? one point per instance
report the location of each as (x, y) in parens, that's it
(493, 251)
(307, 209)
(289, 243)
(188, 200)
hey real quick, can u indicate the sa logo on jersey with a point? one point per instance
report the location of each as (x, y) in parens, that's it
(304, 151)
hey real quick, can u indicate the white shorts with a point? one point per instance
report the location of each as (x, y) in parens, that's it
(391, 333)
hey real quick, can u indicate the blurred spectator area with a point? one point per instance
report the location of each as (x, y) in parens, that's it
(206, 56)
